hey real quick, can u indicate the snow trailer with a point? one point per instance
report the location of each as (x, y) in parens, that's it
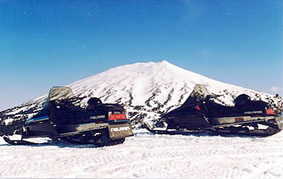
(62, 118)
(201, 112)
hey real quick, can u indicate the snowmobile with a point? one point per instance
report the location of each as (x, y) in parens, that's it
(63, 119)
(201, 112)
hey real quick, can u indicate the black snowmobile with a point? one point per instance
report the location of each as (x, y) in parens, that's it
(62, 118)
(202, 113)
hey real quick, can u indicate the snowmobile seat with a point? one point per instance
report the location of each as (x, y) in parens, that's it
(256, 105)
(244, 102)
(64, 112)
(94, 101)
(93, 104)
(241, 100)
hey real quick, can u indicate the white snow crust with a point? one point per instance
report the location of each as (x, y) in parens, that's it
(149, 156)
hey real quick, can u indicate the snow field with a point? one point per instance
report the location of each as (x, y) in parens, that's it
(149, 156)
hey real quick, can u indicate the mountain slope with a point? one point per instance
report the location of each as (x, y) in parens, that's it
(149, 89)
(145, 89)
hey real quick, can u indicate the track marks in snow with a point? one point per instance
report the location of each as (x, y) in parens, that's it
(150, 156)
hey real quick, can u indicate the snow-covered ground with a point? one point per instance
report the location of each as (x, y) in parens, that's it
(150, 156)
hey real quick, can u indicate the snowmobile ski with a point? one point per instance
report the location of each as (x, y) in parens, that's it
(169, 132)
(18, 142)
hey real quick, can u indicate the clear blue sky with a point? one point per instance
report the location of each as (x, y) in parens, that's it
(56, 42)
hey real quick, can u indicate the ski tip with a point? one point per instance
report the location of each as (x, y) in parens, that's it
(7, 139)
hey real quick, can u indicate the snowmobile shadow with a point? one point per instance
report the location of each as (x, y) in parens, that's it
(170, 134)
(59, 144)
(66, 145)
(5, 145)
(48, 144)
(207, 134)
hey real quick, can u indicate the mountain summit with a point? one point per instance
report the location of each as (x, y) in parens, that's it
(145, 89)
(149, 83)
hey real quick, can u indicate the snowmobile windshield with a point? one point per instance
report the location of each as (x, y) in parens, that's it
(58, 93)
(199, 93)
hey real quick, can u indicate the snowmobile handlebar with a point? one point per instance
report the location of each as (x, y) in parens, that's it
(75, 99)
(216, 95)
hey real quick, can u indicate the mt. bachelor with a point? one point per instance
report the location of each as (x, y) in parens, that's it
(146, 90)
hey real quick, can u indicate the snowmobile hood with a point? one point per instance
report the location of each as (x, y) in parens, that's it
(191, 105)
(183, 110)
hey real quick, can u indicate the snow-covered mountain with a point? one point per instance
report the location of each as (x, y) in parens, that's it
(145, 89)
